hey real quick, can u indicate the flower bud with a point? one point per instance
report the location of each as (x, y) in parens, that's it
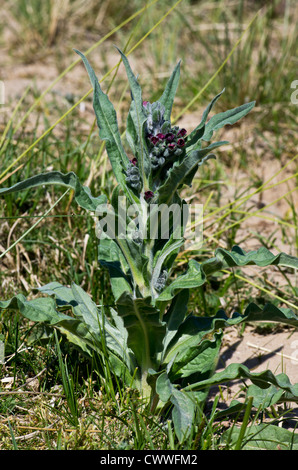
(177, 152)
(133, 176)
(172, 146)
(148, 195)
(161, 281)
(182, 132)
(160, 136)
(170, 137)
(154, 140)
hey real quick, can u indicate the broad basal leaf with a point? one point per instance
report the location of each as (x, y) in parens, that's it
(88, 329)
(194, 329)
(145, 330)
(87, 312)
(264, 397)
(262, 436)
(238, 371)
(183, 412)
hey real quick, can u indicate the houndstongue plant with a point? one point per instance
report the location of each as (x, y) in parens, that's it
(153, 342)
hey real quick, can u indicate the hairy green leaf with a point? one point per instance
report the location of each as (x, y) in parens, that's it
(180, 170)
(108, 129)
(145, 330)
(138, 118)
(110, 256)
(89, 329)
(174, 317)
(167, 98)
(183, 405)
(197, 273)
(264, 397)
(228, 117)
(239, 371)
(87, 312)
(260, 257)
(193, 330)
(197, 134)
(262, 436)
(82, 193)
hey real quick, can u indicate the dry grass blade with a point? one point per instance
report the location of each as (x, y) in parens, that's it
(68, 69)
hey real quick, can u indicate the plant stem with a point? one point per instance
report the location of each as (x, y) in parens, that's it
(244, 424)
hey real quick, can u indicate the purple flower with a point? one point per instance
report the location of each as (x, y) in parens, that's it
(145, 103)
(172, 146)
(148, 195)
(169, 137)
(182, 132)
(180, 142)
(154, 140)
(161, 136)
(134, 161)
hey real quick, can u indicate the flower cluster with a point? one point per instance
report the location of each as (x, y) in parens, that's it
(133, 177)
(165, 142)
(166, 146)
(161, 281)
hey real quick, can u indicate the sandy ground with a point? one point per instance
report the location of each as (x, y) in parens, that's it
(276, 351)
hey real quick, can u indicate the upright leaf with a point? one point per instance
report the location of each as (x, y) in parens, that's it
(167, 98)
(160, 260)
(183, 412)
(199, 131)
(138, 118)
(108, 129)
(174, 318)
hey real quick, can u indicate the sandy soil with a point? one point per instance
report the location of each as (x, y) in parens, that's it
(276, 350)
